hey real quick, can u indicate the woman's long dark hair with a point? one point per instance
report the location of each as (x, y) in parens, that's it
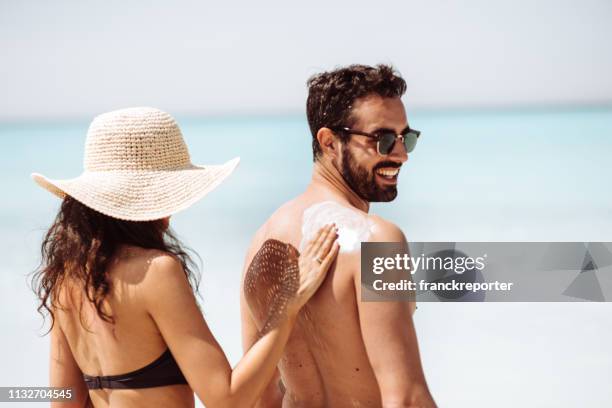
(79, 246)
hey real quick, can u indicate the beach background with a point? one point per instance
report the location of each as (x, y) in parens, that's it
(496, 176)
(516, 153)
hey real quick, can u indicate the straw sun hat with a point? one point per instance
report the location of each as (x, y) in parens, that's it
(137, 168)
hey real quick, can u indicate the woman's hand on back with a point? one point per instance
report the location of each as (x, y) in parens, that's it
(315, 262)
(171, 303)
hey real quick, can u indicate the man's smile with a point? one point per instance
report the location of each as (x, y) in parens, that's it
(388, 174)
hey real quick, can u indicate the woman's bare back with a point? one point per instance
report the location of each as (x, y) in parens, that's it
(102, 348)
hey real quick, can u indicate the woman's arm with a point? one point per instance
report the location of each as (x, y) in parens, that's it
(171, 303)
(64, 371)
(272, 396)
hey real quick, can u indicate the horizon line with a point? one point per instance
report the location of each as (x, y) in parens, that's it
(537, 108)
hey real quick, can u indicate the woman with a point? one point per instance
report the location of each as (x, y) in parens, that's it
(126, 329)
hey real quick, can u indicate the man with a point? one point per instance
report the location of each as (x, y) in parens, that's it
(342, 352)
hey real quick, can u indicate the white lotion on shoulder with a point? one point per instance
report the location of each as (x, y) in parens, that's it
(353, 226)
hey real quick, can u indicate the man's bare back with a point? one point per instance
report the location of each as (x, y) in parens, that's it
(325, 362)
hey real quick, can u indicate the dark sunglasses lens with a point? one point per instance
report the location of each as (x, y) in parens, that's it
(386, 141)
(410, 141)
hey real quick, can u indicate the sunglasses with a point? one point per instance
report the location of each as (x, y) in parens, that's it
(385, 138)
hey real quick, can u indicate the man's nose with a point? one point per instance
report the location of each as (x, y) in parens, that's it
(399, 153)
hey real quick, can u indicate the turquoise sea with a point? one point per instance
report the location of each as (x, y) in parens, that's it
(532, 175)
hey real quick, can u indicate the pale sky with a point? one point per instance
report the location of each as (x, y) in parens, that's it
(63, 59)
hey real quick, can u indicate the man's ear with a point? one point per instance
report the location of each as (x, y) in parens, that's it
(328, 141)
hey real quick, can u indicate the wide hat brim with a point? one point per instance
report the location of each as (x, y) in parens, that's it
(140, 195)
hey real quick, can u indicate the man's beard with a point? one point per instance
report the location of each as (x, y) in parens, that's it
(362, 182)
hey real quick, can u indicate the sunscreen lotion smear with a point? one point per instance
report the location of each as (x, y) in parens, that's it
(353, 226)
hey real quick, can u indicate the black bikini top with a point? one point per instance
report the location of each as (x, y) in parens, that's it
(163, 371)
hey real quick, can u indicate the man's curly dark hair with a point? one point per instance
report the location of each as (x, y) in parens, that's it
(331, 95)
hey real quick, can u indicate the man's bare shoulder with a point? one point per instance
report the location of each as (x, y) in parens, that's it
(380, 230)
(281, 226)
(384, 230)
